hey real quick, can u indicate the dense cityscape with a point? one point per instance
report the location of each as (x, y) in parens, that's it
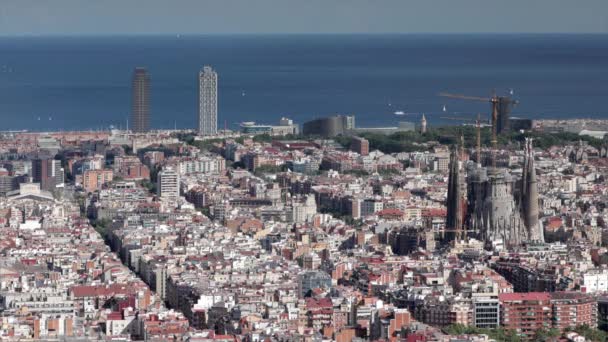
(491, 230)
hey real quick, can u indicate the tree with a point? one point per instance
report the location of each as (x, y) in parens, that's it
(205, 211)
(128, 149)
(81, 200)
(206, 144)
(102, 226)
(543, 335)
(591, 334)
(388, 172)
(356, 172)
(499, 334)
(151, 186)
(264, 169)
(263, 138)
(239, 165)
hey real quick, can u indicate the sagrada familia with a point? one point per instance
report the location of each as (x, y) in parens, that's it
(492, 204)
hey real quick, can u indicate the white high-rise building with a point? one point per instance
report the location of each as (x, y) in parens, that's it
(303, 212)
(168, 184)
(207, 112)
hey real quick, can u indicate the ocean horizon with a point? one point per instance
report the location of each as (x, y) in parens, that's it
(84, 82)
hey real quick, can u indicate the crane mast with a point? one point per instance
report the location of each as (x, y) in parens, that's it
(496, 102)
(478, 140)
(494, 135)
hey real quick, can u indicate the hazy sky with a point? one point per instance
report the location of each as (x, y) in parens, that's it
(73, 17)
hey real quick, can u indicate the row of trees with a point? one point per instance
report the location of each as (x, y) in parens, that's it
(541, 335)
(411, 141)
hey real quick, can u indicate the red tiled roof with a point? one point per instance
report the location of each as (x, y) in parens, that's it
(524, 296)
(102, 291)
(312, 303)
(114, 316)
(434, 212)
(390, 212)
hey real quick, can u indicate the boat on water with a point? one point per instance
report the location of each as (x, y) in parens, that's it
(399, 112)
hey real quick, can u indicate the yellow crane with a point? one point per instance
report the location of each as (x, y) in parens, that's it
(478, 131)
(495, 101)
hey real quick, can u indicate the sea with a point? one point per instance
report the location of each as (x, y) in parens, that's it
(73, 83)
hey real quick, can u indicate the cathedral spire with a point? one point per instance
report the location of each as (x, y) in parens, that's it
(530, 195)
(454, 219)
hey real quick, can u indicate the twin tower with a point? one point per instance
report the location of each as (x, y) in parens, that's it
(207, 108)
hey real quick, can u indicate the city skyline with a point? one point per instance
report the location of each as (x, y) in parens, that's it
(360, 187)
(70, 17)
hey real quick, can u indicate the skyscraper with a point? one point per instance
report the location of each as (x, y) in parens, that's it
(140, 115)
(48, 172)
(168, 184)
(207, 113)
(504, 107)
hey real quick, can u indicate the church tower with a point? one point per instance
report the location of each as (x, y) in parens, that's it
(455, 205)
(529, 195)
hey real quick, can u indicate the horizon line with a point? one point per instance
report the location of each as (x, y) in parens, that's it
(193, 34)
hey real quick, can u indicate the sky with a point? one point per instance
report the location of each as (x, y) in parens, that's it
(112, 17)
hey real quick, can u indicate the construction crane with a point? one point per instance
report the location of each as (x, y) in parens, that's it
(478, 132)
(499, 104)
(457, 118)
(464, 97)
(494, 100)
(478, 139)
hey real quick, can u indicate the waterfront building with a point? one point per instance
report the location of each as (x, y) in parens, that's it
(207, 115)
(330, 126)
(140, 114)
